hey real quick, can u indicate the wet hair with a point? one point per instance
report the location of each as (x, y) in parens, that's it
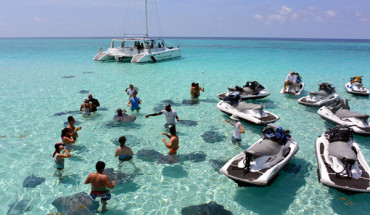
(64, 132)
(168, 107)
(56, 146)
(173, 130)
(193, 84)
(100, 165)
(119, 112)
(122, 141)
(70, 118)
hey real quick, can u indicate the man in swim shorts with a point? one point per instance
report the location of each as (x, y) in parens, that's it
(134, 102)
(170, 114)
(99, 182)
(173, 144)
(95, 103)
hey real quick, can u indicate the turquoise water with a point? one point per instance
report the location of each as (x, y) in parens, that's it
(32, 90)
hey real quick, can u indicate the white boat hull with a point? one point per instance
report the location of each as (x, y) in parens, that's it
(298, 90)
(318, 101)
(357, 90)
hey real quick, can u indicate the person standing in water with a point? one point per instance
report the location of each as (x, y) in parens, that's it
(134, 102)
(67, 139)
(238, 129)
(173, 143)
(170, 114)
(93, 102)
(99, 182)
(59, 157)
(123, 152)
(71, 127)
(131, 90)
(195, 90)
(86, 107)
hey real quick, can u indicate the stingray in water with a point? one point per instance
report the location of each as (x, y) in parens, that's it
(87, 72)
(149, 155)
(76, 123)
(79, 203)
(195, 157)
(118, 176)
(209, 100)
(67, 112)
(206, 209)
(187, 123)
(32, 181)
(168, 159)
(124, 118)
(102, 109)
(217, 164)
(190, 102)
(19, 207)
(71, 76)
(292, 168)
(213, 137)
(84, 91)
(169, 101)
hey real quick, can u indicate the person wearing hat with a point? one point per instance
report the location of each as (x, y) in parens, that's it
(86, 107)
(291, 79)
(238, 128)
(170, 114)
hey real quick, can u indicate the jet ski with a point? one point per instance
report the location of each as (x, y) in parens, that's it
(325, 95)
(298, 87)
(338, 112)
(356, 87)
(252, 113)
(340, 162)
(262, 162)
(251, 90)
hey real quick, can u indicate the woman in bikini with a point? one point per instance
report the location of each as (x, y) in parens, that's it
(173, 144)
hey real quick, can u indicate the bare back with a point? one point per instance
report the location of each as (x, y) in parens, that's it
(97, 180)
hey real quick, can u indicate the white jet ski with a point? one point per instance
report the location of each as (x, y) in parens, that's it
(356, 87)
(338, 112)
(252, 90)
(325, 95)
(340, 162)
(246, 111)
(298, 87)
(262, 162)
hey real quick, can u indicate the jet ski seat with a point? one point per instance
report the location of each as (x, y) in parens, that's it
(266, 148)
(342, 150)
(357, 84)
(319, 93)
(241, 106)
(345, 113)
(245, 90)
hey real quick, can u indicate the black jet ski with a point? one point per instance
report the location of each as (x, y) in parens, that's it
(251, 90)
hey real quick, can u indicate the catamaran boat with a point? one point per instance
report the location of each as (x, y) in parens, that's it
(139, 50)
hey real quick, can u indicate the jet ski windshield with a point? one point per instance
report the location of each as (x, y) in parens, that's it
(233, 98)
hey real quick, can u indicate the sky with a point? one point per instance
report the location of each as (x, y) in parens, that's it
(347, 19)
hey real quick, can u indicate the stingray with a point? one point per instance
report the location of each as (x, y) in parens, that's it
(168, 159)
(87, 72)
(205, 209)
(209, 100)
(213, 137)
(84, 91)
(149, 155)
(102, 109)
(195, 157)
(169, 101)
(73, 112)
(19, 207)
(60, 114)
(190, 101)
(76, 123)
(79, 203)
(188, 123)
(217, 164)
(158, 108)
(71, 76)
(118, 176)
(292, 168)
(176, 171)
(32, 181)
(124, 118)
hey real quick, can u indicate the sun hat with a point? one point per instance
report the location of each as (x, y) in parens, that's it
(85, 98)
(234, 117)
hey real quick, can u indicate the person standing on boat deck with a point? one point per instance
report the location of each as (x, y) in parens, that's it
(86, 107)
(59, 157)
(170, 114)
(99, 183)
(173, 143)
(238, 129)
(131, 90)
(195, 90)
(94, 103)
(290, 79)
(123, 152)
(134, 102)
(71, 127)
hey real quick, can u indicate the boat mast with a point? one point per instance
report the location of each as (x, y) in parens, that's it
(146, 17)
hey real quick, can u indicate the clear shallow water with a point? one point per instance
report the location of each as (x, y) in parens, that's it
(32, 90)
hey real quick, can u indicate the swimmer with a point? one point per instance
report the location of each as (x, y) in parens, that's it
(99, 182)
(67, 139)
(238, 129)
(134, 102)
(59, 157)
(124, 153)
(94, 103)
(170, 116)
(71, 127)
(131, 90)
(173, 144)
(86, 107)
(195, 90)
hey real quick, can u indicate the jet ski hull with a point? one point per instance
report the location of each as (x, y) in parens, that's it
(328, 115)
(364, 92)
(261, 177)
(327, 175)
(307, 101)
(299, 89)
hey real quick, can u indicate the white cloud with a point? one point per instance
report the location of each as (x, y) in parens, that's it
(294, 16)
(36, 19)
(277, 17)
(358, 13)
(285, 10)
(257, 16)
(330, 13)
